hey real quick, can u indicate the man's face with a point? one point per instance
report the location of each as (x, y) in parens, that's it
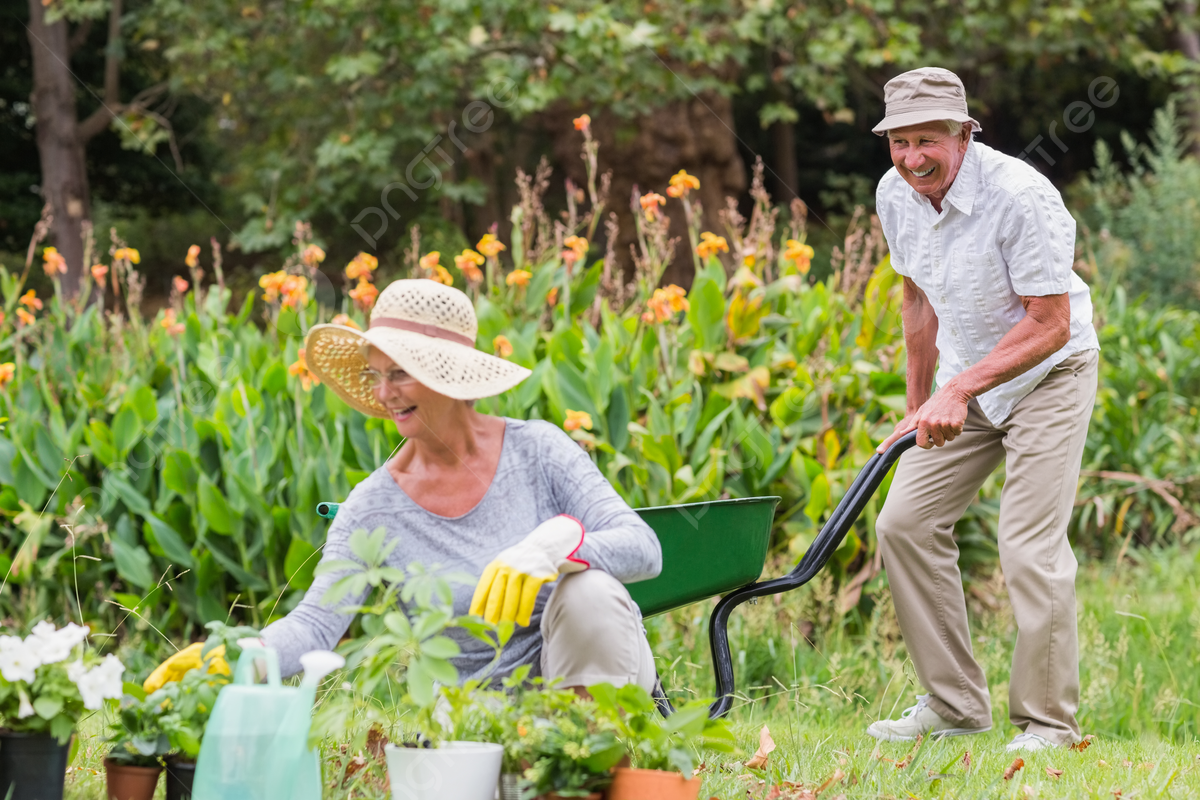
(928, 157)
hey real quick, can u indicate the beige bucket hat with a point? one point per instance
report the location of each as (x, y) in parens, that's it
(924, 95)
(429, 330)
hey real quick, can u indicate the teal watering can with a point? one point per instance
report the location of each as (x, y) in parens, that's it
(256, 742)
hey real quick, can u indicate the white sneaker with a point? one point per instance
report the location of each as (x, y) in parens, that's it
(1028, 742)
(915, 721)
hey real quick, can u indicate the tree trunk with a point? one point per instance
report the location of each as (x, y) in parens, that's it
(1187, 39)
(787, 177)
(60, 149)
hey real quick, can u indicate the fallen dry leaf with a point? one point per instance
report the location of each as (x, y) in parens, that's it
(904, 762)
(837, 777)
(1146, 765)
(1127, 763)
(966, 759)
(1054, 773)
(765, 745)
(1102, 763)
(1116, 792)
(1014, 768)
(376, 742)
(1084, 743)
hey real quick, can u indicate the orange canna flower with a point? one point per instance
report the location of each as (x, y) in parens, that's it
(7, 371)
(800, 254)
(665, 303)
(711, 244)
(650, 203)
(430, 260)
(489, 245)
(577, 248)
(53, 262)
(442, 275)
(192, 259)
(127, 254)
(271, 283)
(518, 277)
(552, 296)
(312, 255)
(749, 261)
(344, 319)
(469, 263)
(181, 285)
(501, 346)
(100, 274)
(294, 290)
(25, 318)
(300, 370)
(31, 300)
(172, 325)
(576, 420)
(583, 122)
(361, 266)
(3, 317)
(682, 183)
(364, 295)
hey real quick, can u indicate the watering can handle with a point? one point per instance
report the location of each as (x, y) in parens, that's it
(244, 673)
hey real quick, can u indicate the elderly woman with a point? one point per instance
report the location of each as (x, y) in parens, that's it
(516, 502)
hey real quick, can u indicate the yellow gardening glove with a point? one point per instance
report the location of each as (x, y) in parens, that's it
(185, 660)
(510, 584)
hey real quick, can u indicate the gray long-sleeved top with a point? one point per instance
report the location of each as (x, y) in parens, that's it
(542, 473)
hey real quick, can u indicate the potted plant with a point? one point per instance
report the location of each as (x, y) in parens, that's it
(138, 745)
(47, 680)
(572, 753)
(663, 751)
(395, 668)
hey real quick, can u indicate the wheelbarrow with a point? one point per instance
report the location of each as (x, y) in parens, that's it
(719, 547)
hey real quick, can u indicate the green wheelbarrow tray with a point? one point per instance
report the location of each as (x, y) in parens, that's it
(720, 547)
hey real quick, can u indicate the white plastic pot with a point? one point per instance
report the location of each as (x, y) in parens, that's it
(458, 770)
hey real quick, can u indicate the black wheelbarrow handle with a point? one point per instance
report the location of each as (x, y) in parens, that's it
(818, 554)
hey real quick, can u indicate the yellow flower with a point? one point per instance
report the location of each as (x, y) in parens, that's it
(271, 283)
(364, 294)
(430, 260)
(469, 263)
(25, 318)
(576, 420)
(192, 259)
(344, 319)
(442, 275)
(127, 254)
(749, 260)
(489, 245)
(583, 122)
(361, 266)
(501, 346)
(181, 285)
(7, 371)
(54, 263)
(650, 203)
(99, 274)
(300, 369)
(577, 248)
(518, 277)
(172, 326)
(711, 244)
(800, 254)
(682, 183)
(30, 299)
(312, 255)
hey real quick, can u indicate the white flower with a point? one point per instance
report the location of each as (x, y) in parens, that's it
(99, 683)
(18, 662)
(50, 645)
(26, 709)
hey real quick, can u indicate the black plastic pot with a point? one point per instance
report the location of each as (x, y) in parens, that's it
(179, 779)
(32, 766)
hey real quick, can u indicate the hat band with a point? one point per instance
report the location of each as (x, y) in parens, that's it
(422, 328)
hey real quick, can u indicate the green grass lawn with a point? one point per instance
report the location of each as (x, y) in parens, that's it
(817, 680)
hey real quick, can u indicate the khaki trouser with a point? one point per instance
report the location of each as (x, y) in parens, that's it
(1042, 444)
(592, 633)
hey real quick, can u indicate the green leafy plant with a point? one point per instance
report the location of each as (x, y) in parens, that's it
(653, 742)
(571, 751)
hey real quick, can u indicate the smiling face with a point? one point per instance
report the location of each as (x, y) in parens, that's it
(415, 408)
(927, 156)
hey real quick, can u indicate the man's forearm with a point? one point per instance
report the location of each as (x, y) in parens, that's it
(920, 342)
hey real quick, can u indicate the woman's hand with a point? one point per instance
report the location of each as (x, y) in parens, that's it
(510, 584)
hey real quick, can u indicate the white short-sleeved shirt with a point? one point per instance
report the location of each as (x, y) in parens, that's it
(1003, 233)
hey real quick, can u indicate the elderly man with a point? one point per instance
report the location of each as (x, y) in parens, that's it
(985, 247)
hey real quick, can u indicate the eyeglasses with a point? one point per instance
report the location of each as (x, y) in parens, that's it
(395, 378)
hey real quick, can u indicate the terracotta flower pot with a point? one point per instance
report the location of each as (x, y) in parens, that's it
(32, 766)
(126, 782)
(652, 784)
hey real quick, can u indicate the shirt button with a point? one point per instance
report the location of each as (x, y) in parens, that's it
(943, 298)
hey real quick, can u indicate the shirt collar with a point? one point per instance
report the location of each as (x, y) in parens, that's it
(966, 182)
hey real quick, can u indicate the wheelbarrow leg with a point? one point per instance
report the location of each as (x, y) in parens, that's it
(815, 558)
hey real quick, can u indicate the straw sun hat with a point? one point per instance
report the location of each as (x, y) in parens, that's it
(429, 330)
